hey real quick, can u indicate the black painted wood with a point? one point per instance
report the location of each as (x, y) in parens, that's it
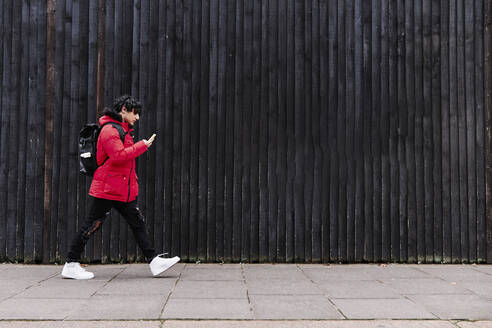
(287, 131)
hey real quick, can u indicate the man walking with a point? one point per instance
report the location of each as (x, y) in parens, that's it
(115, 185)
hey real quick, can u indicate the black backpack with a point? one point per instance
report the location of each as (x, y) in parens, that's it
(88, 146)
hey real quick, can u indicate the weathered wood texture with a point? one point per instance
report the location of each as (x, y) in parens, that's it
(287, 131)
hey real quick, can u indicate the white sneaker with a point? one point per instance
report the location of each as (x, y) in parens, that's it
(159, 264)
(73, 270)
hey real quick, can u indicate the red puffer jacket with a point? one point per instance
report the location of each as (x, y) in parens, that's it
(116, 178)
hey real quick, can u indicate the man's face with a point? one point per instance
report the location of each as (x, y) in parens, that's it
(129, 116)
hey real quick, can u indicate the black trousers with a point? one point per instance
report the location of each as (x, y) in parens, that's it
(99, 210)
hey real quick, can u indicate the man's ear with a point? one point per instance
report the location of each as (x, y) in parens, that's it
(123, 108)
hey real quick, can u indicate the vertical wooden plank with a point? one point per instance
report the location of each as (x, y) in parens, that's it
(255, 131)
(160, 111)
(332, 126)
(454, 141)
(463, 178)
(64, 127)
(410, 144)
(151, 112)
(40, 57)
(239, 83)
(354, 131)
(376, 142)
(186, 129)
(385, 166)
(21, 147)
(393, 130)
(480, 130)
(73, 110)
(221, 128)
(83, 186)
(428, 131)
(264, 194)
(168, 130)
(446, 149)
(48, 150)
(470, 106)
(437, 129)
(402, 133)
(488, 123)
(57, 119)
(299, 131)
(419, 104)
(230, 151)
(281, 168)
(195, 130)
(20, 22)
(317, 201)
(290, 118)
(176, 36)
(324, 61)
(308, 156)
(341, 127)
(4, 94)
(365, 233)
(32, 215)
(101, 29)
(212, 132)
(203, 156)
(246, 132)
(94, 245)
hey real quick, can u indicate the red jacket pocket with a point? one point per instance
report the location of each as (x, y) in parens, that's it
(116, 185)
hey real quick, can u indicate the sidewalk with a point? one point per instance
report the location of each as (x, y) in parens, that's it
(249, 295)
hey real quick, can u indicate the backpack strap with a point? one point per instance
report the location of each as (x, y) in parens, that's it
(120, 130)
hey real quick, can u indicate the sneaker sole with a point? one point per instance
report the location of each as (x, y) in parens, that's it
(169, 267)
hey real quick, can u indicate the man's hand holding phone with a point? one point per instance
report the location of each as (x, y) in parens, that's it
(149, 142)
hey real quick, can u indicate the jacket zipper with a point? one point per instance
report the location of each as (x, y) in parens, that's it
(129, 177)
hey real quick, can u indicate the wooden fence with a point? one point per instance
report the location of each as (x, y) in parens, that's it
(306, 130)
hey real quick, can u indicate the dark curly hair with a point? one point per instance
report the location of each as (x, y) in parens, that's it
(128, 102)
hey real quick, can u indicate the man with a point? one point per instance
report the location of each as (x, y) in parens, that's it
(115, 185)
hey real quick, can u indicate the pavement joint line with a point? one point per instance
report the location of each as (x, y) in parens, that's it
(247, 290)
(324, 293)
(172, 290)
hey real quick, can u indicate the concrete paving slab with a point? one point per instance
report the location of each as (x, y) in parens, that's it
(282, 287)
(293, 307)
(357, 289)
(29, 272)
(457, 273)
(470, 307)
(138, 286)
(310, 324)
(475, 324)
(207, 309)
(9, 288)
(212, 274)
(485, 268)
(38, 309)
(80, 324)
(103, 273)
(382, 309)
(336, 273)
(120, 307)
(209, 289)
(481, 288)
(272, 272)
(142, 270)
(425, 286)
(66, 288)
